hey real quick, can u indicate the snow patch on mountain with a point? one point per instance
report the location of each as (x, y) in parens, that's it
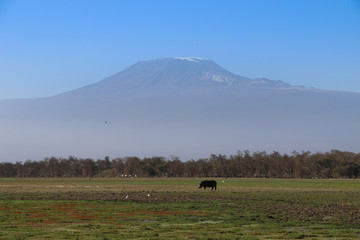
(217, 77)
(191, 59)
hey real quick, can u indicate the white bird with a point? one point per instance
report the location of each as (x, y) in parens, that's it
(126, 196)
(148, 195)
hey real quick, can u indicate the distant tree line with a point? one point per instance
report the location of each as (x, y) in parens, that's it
(333, 164)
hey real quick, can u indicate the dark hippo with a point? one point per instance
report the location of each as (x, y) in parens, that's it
(206, 183)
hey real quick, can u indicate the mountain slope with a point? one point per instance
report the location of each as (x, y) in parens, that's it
(189, 107)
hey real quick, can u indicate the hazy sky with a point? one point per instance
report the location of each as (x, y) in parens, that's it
(48, 46)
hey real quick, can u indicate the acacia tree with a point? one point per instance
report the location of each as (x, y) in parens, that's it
(7, 170)
(118, 164)
(288, 165)
(131, 166)
(154, 166)
(88, 167)
(176, 168)
(103, 164)
(192, 168)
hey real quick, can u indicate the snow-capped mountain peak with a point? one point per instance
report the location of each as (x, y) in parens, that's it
(169, 75)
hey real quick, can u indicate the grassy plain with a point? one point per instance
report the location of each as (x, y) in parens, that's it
(174, 208)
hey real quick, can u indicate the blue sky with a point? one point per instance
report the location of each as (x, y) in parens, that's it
(48, 46)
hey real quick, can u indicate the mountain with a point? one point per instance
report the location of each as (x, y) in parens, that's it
(169, 76)
(187, 107)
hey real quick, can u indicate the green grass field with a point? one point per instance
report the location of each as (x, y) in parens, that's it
(174, 208)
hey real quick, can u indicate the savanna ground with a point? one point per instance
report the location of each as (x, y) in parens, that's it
(174, 208)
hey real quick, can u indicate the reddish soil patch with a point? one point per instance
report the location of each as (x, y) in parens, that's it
(5, 208)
